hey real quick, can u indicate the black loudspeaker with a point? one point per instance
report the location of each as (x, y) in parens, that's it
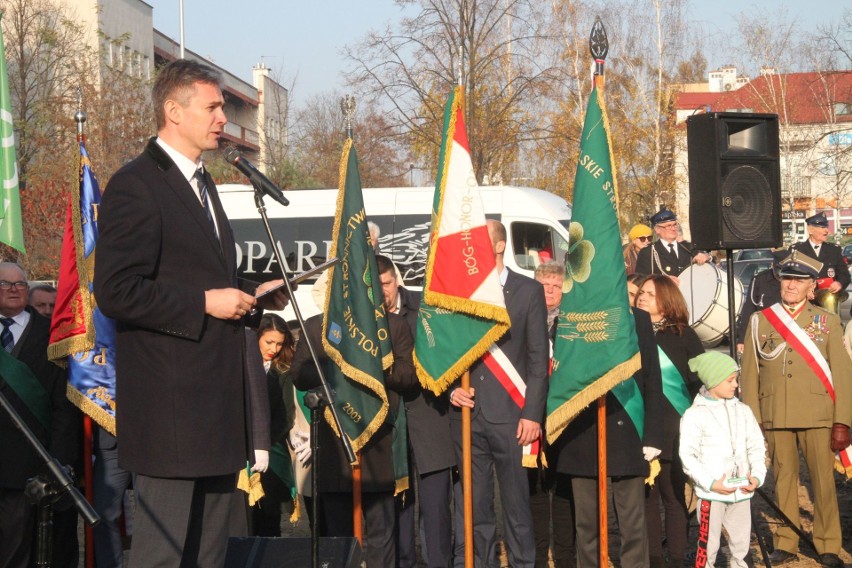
(259, 552)
(734, 180)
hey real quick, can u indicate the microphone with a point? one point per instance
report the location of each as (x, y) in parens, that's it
(257, 179)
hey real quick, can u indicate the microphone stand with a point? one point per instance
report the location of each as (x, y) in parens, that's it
(316, 401)
(44, 490)
(323, 388)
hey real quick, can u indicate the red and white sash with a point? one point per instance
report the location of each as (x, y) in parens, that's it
(797, 339)
(509, 378)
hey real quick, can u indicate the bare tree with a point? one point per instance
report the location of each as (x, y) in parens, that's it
(492, 44)
(52, 72)
(318, 141)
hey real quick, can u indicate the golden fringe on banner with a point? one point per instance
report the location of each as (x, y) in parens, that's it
(353, 373)
(104, 419)
(841, 469)
(463, 364)
(559, 419)
(400, 485)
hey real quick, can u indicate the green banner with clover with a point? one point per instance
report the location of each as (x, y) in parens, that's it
(595, 347)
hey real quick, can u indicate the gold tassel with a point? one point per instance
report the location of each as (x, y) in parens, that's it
(655, 471)
(250, 485)
(297, 511)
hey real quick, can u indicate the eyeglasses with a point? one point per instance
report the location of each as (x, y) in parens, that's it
(19, 285)
(672, 225)
(644, 239)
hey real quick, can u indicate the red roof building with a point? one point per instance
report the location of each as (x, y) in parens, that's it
(815, 116)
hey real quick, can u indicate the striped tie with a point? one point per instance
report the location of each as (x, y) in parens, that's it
(6, 337)
(202, 190)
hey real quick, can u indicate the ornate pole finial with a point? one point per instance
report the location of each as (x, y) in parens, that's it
(347, 106)
(598, 45)
(80, 117)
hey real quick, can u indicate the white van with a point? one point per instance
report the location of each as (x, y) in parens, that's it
(536, 223)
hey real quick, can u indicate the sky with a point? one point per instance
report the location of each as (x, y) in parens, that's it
(304, 38)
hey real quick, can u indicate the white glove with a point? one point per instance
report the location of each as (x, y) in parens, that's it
(261, 461)
(650, 453)
(301, 444)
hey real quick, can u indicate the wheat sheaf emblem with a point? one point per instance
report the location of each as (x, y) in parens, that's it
(591, 327)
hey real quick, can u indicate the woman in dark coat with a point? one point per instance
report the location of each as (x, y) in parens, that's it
(277, 347)
(677, 343)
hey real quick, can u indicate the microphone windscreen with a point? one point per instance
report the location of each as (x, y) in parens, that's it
(232, 155)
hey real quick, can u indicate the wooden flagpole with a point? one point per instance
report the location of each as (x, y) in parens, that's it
(467, 477)
(599, 46)
(357, 523)
(90, 488)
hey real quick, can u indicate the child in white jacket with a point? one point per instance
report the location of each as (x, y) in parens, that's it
(722, 451)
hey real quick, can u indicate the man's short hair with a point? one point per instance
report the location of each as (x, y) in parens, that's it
(176, 81)
(498, 230)
(550, 268)
(9, 264)
(385, 265)
(41, 288)
(375, 230)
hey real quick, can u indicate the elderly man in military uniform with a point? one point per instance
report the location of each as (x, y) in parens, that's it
(834, 274)
(667, 255)
(797, 379)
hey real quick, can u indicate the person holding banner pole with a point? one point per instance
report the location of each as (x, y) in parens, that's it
(677, 343)
(797, 379)
(376, 459)
(507, 402)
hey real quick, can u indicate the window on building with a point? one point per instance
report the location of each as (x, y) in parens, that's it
(843, 109)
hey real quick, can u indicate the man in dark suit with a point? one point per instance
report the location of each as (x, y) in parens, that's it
(376, 457)
(830, 255)
(667, 255)
(431, 449)
(35, 388)
(499, 427)
(166, 272)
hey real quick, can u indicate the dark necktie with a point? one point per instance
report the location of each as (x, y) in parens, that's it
(672, 250)
(205, 202)
(816, 249)
(6, 337)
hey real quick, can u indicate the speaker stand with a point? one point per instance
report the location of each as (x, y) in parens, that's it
(732, 306)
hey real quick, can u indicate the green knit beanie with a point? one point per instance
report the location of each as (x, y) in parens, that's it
(713, 367)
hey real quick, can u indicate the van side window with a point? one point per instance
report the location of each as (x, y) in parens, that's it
(534, 244)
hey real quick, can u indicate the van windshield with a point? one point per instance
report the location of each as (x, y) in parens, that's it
(536, 243)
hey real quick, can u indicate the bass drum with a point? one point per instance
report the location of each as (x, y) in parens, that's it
(705, 289)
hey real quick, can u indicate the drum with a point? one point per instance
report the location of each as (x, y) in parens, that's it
(705, 289)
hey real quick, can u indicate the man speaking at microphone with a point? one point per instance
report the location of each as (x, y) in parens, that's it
(166, 272)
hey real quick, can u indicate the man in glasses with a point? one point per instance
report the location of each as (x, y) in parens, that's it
(667, 256)
(639, 238)
(35, 388)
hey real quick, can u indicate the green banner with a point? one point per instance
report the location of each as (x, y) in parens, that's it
(11, 225)
(355, 329)
(595, 346)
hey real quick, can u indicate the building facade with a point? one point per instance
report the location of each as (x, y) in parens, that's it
(123, 33)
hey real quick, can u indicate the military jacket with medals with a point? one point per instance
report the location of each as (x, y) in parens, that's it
(779, 386)
(658, 259)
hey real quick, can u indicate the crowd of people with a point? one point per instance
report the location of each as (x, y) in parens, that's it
(207, 382)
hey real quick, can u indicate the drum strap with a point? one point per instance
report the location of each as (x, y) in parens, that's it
(674, 386)
(628, 395)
